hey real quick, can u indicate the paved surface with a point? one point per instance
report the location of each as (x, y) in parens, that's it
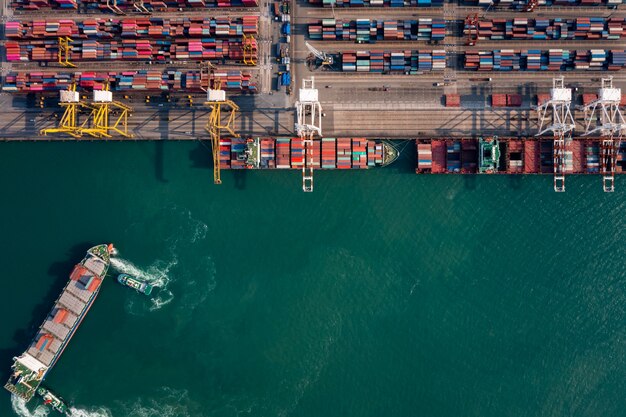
(353, 103)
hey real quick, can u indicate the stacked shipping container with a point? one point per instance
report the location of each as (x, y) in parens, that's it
(408, 62)
(366, 30)
(521, 4)
(148, 27)
(591, 28)
(129, 49)
(551, 60)
(101, 5)
(522, 156)
(288, 153)
(141, 80)
(378, 3)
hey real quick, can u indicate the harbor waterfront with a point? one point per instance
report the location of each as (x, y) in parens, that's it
(382, 293)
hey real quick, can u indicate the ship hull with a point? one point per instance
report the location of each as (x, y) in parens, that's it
(67, 314)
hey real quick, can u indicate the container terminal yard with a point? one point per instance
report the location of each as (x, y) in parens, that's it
(517, 87)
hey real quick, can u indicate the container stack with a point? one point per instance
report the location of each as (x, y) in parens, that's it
(268, 159)
(314, 160)
(130, 49)
(409, 62)
(148, 80)
(344, 153)
(329, 153)
(374, 153)
(378, 3)
(551, 60)
(237, 147)
(366, 30)
(453, 100)
(521, 4)
(424, 157)
(297, 153)
(498, 100)
(513, 100)
(359, 153)
(583, 28)
(453, 156)
(592, 157)
(127, 5)
(283, 160)
(515, 152)
(225, 152)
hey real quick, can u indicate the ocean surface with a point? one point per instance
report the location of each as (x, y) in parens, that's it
(383, 293)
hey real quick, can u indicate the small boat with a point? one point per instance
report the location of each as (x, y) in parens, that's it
(135, 283)
(52, 400)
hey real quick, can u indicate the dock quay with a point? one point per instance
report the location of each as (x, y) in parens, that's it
(31, 367)
(227, 71)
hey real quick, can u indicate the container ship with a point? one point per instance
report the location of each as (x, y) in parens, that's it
(289, 153)
(69, 310)
(495, 155)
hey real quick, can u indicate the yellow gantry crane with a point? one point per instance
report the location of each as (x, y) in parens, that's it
(70, 100)
(65, 49)
(105, 116)
(249, 50)
(219, 105)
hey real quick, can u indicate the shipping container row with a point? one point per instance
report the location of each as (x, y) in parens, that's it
(366, 30)
(148, 27)
(515, 100)
(522, 4)
(591, 28)
(378, 3)
(130, 49)
(127, 5)
(289, 153)
(545, 60)
(408, 62)
(516, 156)
(143, 80)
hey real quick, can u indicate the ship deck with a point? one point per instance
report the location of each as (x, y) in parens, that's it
(60, 324)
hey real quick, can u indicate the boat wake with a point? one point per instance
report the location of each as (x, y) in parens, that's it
(169, 403)
(19, 408)
(156, 274)
(81, 412)
(181, 281)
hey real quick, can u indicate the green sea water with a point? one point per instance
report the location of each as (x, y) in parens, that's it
(382, 293)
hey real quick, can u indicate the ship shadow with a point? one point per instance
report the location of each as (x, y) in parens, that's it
(469, 181)
(60, 272)
(515, 182)
(159, 166)
(407, 158)
(239, 178)
(201, 155)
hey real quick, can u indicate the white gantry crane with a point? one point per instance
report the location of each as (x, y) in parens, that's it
(309, 124)
(561, 124)
(605, 117)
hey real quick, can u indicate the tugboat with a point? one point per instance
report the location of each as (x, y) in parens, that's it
(52, 400)
(134, 283)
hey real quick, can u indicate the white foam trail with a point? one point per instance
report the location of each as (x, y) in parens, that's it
(81, 412)
(20, 409)
(169, 403)
(156, 274)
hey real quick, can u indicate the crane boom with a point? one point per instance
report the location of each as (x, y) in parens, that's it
(323, 56)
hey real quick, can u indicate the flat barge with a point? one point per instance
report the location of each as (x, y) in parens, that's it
(69, 310)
